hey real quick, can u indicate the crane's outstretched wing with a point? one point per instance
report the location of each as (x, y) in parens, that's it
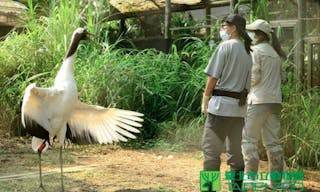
(34, 111)
(96, 124)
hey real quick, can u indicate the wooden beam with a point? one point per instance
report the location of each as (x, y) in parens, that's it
(284, 23)
(191, 27)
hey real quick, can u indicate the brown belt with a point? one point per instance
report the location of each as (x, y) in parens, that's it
(217, 92)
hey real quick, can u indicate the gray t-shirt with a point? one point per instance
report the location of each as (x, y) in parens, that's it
(231, 65)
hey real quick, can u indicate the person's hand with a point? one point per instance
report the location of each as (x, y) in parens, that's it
(204, 104)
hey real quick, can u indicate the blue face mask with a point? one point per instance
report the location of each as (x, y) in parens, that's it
(224, 35)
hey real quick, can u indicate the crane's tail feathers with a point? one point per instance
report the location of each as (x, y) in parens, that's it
(39, 145)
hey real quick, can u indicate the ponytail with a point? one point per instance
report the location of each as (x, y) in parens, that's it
(277, 47)
(274, 42)
(247, 40)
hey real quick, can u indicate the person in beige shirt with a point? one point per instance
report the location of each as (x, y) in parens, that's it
(264, 104)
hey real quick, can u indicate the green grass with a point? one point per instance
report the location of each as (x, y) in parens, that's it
(300, 125)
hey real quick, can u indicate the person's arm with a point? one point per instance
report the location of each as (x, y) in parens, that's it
(213, 70)
(211, 83)
(256, 69)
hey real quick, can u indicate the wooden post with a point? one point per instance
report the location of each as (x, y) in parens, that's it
(208, 18)
(254, 8)
(167, 22)
(167, 25)
(299, 52)
(233, 7)
(122, 27)
(318, 15)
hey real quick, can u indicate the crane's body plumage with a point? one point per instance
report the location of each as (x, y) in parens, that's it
(57, 112)
(51, 107)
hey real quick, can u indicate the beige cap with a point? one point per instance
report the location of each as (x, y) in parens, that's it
(261, 25)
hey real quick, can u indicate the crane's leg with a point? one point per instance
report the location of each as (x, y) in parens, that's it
(61, 167)
(40, 173)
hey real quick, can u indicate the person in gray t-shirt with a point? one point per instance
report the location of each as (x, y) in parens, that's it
(229, 71)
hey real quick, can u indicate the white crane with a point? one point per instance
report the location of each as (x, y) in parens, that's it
(57, 112)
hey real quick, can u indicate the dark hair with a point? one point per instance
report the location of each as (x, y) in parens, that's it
(240, 23)
(275, 42)
(247, 40)
(263, 35)
(277, 47)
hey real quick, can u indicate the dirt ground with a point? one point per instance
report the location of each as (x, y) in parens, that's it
(108, 169)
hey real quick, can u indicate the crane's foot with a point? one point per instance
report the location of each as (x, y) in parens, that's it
(41, 188)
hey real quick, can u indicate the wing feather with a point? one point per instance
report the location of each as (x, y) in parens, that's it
(35, 104)
(114, 136)
(97, 124)
(127, 127)
(127, 121)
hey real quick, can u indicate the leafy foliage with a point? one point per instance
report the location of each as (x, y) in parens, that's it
(300, 125)
(156, 84)
(167, 88)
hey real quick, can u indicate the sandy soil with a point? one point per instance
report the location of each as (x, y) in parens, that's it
(108, 169)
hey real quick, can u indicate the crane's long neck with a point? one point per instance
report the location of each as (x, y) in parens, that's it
(66, 70)
(72, 47)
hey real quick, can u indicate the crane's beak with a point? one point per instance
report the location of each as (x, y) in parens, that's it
(87, 36)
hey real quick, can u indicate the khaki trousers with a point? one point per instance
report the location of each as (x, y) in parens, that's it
(262, 121)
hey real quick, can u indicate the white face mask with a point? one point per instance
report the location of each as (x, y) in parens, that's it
(251, 35)
(224, 35)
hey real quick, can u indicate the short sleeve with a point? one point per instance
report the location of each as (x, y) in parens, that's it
(217, 62)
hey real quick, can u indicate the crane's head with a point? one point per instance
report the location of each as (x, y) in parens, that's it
(81, 34)
(78, 35)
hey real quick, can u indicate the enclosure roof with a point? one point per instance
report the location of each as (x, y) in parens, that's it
(10, 11)
(132, 8)
(125, 6)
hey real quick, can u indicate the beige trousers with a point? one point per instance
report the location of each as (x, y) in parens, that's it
(263, 122)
